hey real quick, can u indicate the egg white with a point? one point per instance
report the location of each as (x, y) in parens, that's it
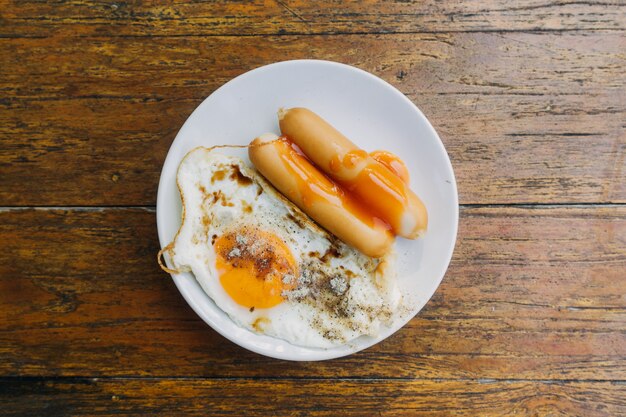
(370, 300)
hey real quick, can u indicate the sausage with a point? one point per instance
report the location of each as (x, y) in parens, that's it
(370, 181)
(287, 169)
(392, 163)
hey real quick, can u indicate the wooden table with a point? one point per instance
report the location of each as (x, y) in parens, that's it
(529, 98)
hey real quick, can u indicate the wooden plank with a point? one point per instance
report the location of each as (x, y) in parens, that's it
(571, 152)
(94, 18)
(544, 135)
(311, 398)
(531, 292)
(190, 67)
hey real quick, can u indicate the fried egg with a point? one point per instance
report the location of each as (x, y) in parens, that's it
(268, 266)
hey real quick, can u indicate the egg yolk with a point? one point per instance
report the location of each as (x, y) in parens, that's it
(255, 267)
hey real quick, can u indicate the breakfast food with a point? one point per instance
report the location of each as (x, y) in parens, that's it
(267, 265)
(261, 256)
(393, 164)
(368, 177)
(295, 177)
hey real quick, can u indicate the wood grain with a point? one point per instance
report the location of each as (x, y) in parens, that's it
(159, 18)
(529, 98)
(543, 114)
(531, 293)
(189, 67)
(311, 398)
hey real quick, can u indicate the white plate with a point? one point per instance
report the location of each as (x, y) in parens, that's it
(366, 109)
